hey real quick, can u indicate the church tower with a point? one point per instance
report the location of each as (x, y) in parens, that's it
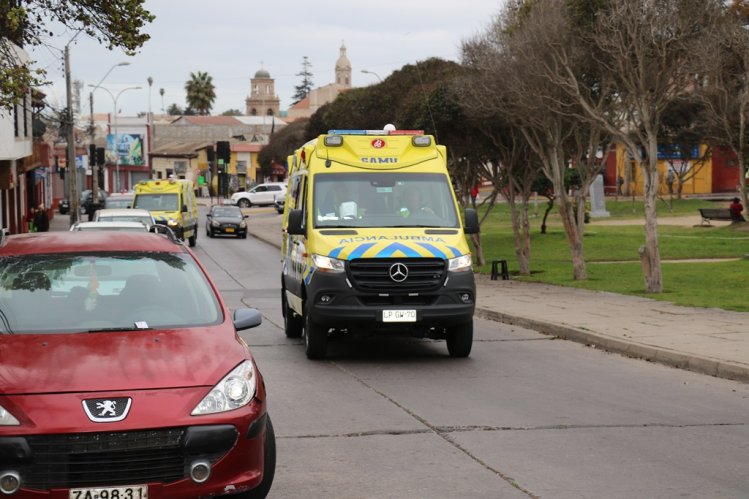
(343, 69)
(263, 99)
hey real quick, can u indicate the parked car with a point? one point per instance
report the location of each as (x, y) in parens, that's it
(124, 215)
(261, 194)
(109, 225)
(225, 219)
(132, 382)
(120, 200)
(280, 202)
(64, 206)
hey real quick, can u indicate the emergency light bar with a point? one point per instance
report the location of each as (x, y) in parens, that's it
(375, 132)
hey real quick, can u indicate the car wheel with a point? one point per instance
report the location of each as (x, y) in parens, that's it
(269, 466)
(460, 340)
(315, 339)
(292, 323)
(244, 203)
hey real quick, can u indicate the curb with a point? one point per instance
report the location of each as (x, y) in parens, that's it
(717, 368)
(671, 358)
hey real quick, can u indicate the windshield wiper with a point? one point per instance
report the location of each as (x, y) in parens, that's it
(116, 329)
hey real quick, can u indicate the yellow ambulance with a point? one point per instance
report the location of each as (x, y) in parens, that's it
(374, 242)
(172, 203)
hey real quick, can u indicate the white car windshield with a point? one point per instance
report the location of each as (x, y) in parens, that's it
(383, 200)
(103, 291)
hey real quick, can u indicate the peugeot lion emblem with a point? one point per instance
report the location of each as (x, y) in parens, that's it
(107, 410)
(398, 272)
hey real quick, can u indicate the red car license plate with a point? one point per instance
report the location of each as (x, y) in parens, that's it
(128, 492)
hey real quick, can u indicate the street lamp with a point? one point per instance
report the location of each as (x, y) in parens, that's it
(94, 164)
(372, 73)
(115, 98)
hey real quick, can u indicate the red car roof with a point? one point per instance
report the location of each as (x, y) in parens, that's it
(80, 241)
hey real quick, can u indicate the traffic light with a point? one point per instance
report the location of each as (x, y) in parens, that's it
(100, 156)
(223, 153)
(91, 154)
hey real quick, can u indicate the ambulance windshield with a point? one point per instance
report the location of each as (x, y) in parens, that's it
(383, 200)
(157, 202)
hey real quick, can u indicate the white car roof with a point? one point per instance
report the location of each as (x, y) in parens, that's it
(127, 226)
(123, 212)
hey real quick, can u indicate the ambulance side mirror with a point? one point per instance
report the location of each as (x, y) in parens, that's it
(184, 208)
(472, 222)
(295, 224)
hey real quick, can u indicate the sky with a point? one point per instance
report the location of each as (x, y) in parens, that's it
(232, 39)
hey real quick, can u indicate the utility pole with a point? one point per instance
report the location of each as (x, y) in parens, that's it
(92, 161)
(71, 166)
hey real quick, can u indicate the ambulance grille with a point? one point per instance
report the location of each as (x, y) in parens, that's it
(373, 274)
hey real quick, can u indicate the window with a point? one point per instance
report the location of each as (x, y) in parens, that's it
(383, 200)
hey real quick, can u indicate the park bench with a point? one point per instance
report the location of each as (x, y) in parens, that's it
(714, 214)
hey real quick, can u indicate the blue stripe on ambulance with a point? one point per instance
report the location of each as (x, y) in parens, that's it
(433, 250)
(359, 251)
(390, 249)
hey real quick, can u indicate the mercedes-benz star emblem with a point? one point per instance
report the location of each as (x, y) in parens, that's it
(398, 272)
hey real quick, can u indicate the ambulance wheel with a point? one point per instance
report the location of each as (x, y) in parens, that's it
(292, 323)
(315, 339)
(460, 340)
(193, 239)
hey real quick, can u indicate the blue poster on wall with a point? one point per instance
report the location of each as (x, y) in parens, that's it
(124, 149)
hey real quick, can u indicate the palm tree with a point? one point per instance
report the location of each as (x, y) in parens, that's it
(200, 92)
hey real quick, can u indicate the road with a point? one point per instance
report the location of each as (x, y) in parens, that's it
(525, 416)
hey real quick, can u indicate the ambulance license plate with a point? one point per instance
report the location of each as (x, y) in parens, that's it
(129, 492)
(399, 316)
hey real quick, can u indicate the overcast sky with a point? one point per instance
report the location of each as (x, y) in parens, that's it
(232, 39)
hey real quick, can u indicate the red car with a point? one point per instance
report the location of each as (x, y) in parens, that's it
(122, 375)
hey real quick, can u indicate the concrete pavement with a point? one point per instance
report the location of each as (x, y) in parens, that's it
(706, 340)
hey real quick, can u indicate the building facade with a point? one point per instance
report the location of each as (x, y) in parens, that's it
(263, 99)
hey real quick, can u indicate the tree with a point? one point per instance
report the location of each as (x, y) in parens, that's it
(282, 144)
(174, 110)
(725, 95)
(200, 92)
(115, 24)
(303, 89)
(684, 128)
(642, 53)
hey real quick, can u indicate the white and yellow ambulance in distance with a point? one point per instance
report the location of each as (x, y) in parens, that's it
(172, 203)
(373, 241)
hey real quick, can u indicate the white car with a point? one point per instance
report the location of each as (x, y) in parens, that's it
(261, 194)
(124, 215)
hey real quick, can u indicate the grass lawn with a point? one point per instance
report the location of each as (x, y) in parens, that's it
(612, 260)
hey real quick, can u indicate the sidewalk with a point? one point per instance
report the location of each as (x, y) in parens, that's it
(705, 340)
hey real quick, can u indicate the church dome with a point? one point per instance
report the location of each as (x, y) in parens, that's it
(343, 62)
(262, 73)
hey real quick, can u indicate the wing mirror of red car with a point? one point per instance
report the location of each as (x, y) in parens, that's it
(247, 318)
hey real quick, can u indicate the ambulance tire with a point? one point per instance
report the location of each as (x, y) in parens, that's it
(315, 339)
(192, 240)
(460, 340)
(293, 325)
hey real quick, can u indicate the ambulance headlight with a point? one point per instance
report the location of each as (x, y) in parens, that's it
(460, 264)
(234, 391)
(172, 222)
(328, 264)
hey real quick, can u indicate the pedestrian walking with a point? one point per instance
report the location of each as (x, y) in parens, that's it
(474, 195)
(41, 220)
